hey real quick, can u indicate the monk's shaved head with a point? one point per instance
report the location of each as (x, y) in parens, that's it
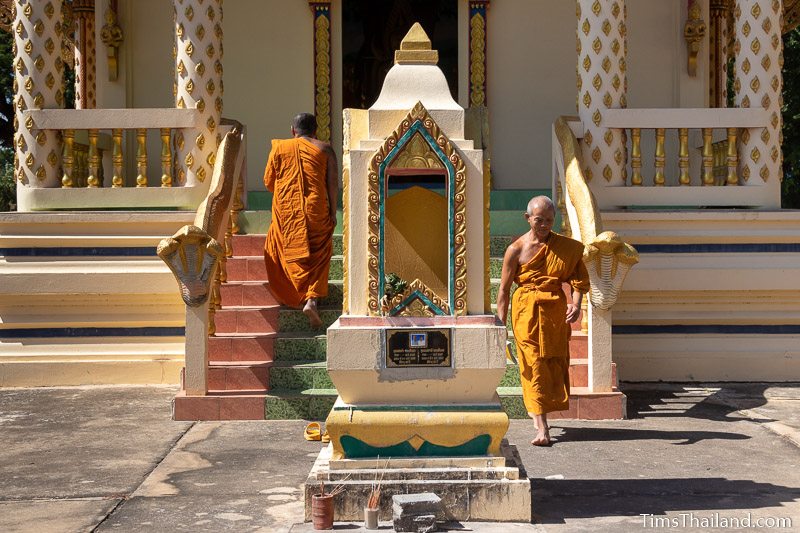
(304, 124)
(541, 202)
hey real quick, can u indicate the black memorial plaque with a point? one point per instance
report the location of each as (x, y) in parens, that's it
(418, 347)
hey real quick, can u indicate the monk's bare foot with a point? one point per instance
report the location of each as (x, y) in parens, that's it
(310, 310)
(542, 438)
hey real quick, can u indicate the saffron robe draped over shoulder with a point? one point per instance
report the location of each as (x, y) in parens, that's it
(299, 241)
(538, 313)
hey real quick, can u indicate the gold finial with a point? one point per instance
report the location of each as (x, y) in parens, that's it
(416, 49)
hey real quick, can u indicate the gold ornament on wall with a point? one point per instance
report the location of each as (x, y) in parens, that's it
(694, 31)
(111, 35)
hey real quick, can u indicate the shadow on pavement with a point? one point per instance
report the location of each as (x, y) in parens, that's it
(708, 401)
(588, 434)
(554, 501)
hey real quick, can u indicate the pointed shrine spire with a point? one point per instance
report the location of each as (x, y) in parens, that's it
(416, 49)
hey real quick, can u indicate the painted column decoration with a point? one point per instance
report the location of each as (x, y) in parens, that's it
(37, 85)
(322, 66)
(758, 83)
(602, 84)
(198, 70)
(85, 54)
(477, 52)
(718, 68)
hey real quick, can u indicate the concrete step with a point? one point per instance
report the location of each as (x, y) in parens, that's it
(238, 376)
(253, 245)
(252, 268)
(239, 347)
(298, 376)
(257, 293)
(583, 405)
(309, 404)
(578, 374)
(301, 347)
(265, 320)
(219, 405)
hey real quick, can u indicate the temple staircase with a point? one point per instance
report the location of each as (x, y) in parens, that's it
(265, 362)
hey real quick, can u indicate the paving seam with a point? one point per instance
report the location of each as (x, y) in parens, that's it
(125, 498)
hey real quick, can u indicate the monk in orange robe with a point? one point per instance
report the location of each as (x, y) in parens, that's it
(302, 172)
(539, 263)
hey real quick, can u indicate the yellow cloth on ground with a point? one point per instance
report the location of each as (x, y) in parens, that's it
(538, 313)
(299, 241)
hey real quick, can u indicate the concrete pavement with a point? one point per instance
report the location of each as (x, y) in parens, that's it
(110, 459)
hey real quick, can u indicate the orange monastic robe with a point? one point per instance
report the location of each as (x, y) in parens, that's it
(538, 313)
(300, 238)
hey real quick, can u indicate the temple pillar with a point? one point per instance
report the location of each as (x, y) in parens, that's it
(602, 84)
(198, 85)
(477, 52)
(321, 10)
(718, 69)
(758, 83)
(85, 54)
(37, 85)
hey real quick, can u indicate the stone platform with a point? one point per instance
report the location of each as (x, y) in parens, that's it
(471, 488)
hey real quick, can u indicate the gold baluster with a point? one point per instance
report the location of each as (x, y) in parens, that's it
(117, 179)
(733, 158)
(141, 157)
(166, 158)
(585, 315)
(214, 302)
(708, 158)
(69, 158)
(237, 206)
(660, 158)
(636, 156)
(683, 156)
(93, 181)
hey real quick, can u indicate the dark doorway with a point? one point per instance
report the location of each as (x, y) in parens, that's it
(372, 31)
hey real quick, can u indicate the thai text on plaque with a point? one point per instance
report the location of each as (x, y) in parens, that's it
(418, 347)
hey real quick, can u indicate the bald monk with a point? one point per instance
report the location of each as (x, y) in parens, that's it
(303, 175)
(539, 263)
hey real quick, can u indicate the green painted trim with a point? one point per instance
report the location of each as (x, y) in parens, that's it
(420, 408)
(357, 449)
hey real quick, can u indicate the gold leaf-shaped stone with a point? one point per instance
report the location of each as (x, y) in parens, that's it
(586, 27)
(596, 155)
(746, 66)
(755, 10)
(189, 160)
(49, 45)
(608, 137)
(189, 13)
(775, 120)
(21, 105)
(30, 161)
(38, 28)
(38, 100)
(201, 141)
(41, 138)
(755, 84)
(189, 49)
(615, 82)
(49, 10)
(776, 42)
(179, 30)
(200, 31)
(775, 154)
(615, 9)
(587, 99)
(623, 65)
(597, 82)
(218, 67)
(606, 64)
(49, 80)
(776, 6)
(210, 87)
(20, 65)
(607, 174)
(29, 85)
(211, 158)
(190, 86)
(607, 100)
(764, 173)
(60, 98)
(41, 173)
(181, 68)
(21, 144)
(596, 7)
(618, 157)
(218, 31)
(28, 47)
(52, 158)
(606, 27)
(211, 124)
(746, 29)
(615, 46)
(20, 29)
(218, 105)
(737, 85)
(179, 139)
(27, 11)
(59, 65)
(765, 136)
(755, 154)
(745, 101)
(588, 138)
(746, 172)
(210, 13)
(588, 174)
(201, 174)
(755, 46)
(181, 104)
(587, 63)
(597, 117)
(775, 83)
(39, 63)
(766, 101)
(745, 136)
(766, 25)
(200, 68)
(597, 45)
(200, 105)
(210, 51)
(766, 62)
